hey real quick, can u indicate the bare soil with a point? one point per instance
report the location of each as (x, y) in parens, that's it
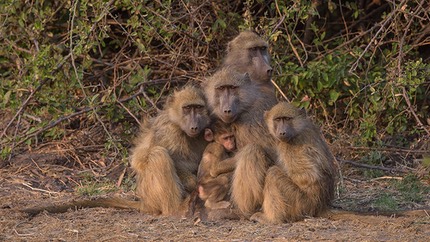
(52, 180)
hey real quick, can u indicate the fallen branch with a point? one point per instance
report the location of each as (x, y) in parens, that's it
(372, 166)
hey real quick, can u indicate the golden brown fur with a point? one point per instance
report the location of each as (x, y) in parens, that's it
(302, 181)
(248, 53)
(168, 151)
(236, 100)
(216, 167)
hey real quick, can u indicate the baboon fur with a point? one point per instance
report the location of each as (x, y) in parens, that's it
(168, 151)
(303, 180)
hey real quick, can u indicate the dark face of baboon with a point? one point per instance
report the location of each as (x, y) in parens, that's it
(285, 121)
(229, 93)
(248, 52)
(187, 108)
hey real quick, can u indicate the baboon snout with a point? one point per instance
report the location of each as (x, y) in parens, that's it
(227, 111)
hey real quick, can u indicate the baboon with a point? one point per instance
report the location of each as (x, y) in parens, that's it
(165, 159)
(168, 152)
(216, 166)
(302, 181)
(248, 53)
(235, 99)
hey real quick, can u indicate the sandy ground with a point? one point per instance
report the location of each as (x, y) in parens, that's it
(23, 187)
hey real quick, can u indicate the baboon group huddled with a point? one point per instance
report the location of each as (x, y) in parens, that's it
(265, 160)
(259, 158)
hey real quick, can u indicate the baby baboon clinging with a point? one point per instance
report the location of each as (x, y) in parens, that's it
(168, 152)
(216, 166)
(302, 181)
(235, 99)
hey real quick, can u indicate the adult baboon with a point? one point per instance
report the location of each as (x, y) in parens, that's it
(302, 181)
(235, 99)
(248, 53)
(165, 159)
(168, 152)
(217, 166)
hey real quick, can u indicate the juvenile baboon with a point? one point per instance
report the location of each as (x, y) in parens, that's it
(168, 152)
(248, 53)
(216, 166)
(235, 99)
(165, 159)
(302, 181)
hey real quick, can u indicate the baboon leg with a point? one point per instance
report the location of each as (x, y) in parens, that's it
(158, 184)
(283, 200)
(216, 205)
(248, 178)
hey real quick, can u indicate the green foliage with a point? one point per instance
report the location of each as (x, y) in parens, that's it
(386, 202)
(412, 190)
(358, 74)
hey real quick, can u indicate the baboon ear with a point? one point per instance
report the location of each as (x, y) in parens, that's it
(229, 47)
(302, 112)
(209, 135)
(247, 77)
(170, 99)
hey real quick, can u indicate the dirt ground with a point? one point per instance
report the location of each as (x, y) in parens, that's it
(26, 184)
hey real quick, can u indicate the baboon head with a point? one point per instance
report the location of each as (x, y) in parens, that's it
(248, 52)
(285, 121)
(229, 93)
(187, 108)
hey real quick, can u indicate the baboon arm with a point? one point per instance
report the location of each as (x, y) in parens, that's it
(78, 204)
(188, 179)
(224, 166)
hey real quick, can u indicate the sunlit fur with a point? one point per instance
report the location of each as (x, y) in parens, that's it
(302, 181)
(255, 146)
(165, 158)
(249, 53)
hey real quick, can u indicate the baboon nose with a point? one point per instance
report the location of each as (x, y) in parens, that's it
(227, 111)
(269, 72)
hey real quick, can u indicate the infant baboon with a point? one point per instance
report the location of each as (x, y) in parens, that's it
(302, 181)
(168, 152)
(216, 166)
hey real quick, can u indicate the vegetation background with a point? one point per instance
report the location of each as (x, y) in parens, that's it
(77, 77)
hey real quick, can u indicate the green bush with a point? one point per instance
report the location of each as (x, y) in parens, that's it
(70, 65)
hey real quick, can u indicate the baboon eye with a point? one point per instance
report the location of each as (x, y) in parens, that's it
(263, 48)
(233, 87)
(221, 88)
(199, 107)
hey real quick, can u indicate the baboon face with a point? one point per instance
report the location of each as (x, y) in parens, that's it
(285, 121)
(187, 108)
(227, 140)
(229, 93)
(250, 52)
(228, 97)
(194, 119)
